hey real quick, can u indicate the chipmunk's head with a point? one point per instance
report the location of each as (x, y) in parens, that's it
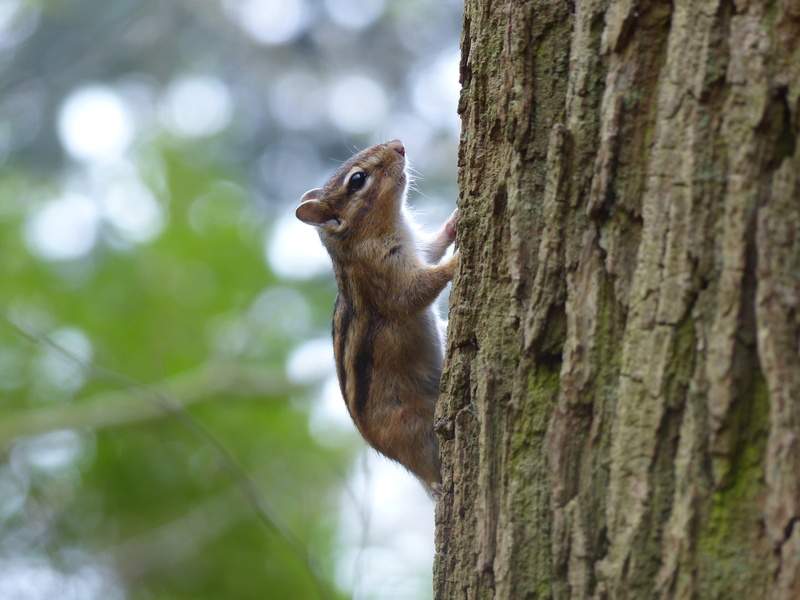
(364, 196)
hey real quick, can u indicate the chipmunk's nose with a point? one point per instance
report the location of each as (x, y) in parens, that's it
(398, 147)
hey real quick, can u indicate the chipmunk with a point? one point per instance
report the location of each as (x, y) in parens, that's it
(388, 340)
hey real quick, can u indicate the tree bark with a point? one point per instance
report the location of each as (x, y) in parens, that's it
(620, 415)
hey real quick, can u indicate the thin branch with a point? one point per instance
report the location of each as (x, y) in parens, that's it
(123, 407)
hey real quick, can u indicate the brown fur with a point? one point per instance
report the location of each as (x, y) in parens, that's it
(388, 344)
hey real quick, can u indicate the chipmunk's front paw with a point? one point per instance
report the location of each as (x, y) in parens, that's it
(435, 490)
(452, 265)
(450, 227)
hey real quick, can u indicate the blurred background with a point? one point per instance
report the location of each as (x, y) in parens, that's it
(170, 423)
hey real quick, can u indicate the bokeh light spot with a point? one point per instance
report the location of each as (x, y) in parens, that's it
(355, 14)
(297, 101)
(130, 207)
(311, 361)
(196, 106)
(94, 125)
(62, 365)
(358, 104)
(269, 21)
(18, 20)
(295, 251)
(62, 229)
(279, 312)
(51, 451)
(29, 578)
(436, 90)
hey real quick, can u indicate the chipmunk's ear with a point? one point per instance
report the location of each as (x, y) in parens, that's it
(313, 212)
(311, 195)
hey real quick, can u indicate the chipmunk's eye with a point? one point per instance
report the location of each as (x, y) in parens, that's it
(357, 181)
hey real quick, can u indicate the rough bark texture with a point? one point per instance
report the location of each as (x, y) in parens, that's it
(621, 399)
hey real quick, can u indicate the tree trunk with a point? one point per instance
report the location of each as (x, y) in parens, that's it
(620, 414)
